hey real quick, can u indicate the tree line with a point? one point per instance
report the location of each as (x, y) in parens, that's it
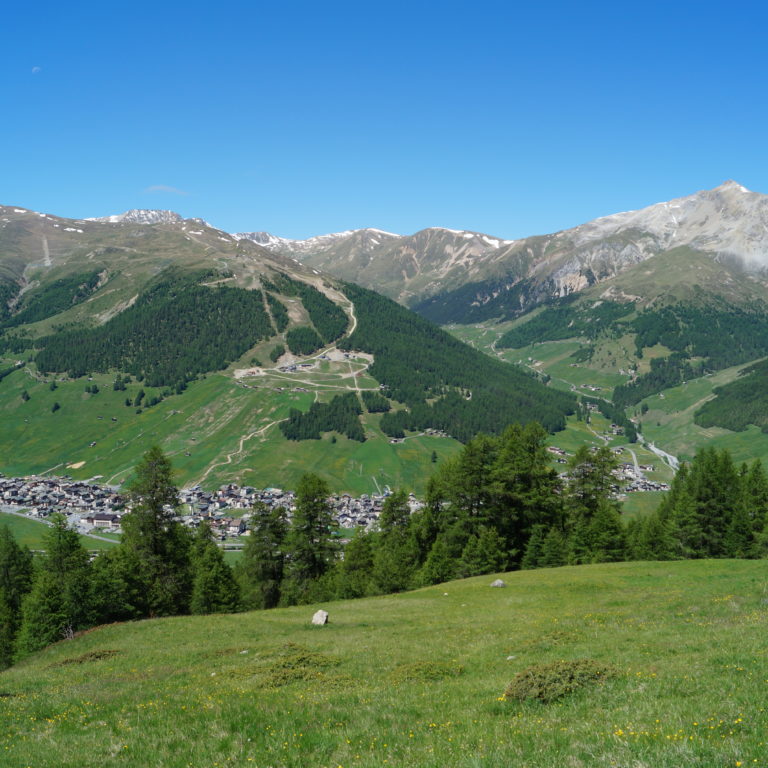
(497, 505)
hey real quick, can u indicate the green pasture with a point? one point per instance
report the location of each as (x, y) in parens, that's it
(220, 430)
(418, 679)
(30, 533)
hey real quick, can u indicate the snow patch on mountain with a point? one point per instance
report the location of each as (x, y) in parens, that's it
(146, 216)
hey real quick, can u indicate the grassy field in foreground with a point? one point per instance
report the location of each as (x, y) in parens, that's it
(417, 679)
(29, 533)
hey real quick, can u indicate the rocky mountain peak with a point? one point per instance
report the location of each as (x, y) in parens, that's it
(147, 216)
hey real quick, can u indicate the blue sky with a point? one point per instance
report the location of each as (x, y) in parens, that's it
(303, 117)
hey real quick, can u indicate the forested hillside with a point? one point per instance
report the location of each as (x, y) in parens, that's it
(445, 384)
(176, 330)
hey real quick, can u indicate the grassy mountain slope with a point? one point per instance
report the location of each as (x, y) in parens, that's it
(416, 679)
(200, 322)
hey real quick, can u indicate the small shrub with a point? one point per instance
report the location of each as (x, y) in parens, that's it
(548, 682)
(295, 663)
(426, 671)
(86, 657)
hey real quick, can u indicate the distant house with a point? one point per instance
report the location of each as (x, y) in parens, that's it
(103, 520)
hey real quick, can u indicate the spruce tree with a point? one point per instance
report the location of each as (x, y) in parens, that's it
(354, 576)
(755, 494)
(554, 550)
(261, 567)
(67, 560)
(526, 490)
(533, 549)
(43, 617)
(606, 535)
(441, 564)
(484, 552)
(157, 545)
(310, 547)
(8, 620)
(395, 555)
(214, 589)
(15, 569)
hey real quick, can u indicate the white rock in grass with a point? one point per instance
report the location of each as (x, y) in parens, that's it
(320, 618)
(498, 583)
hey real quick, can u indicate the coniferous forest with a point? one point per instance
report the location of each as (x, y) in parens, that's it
(444, 384)
(176, 330)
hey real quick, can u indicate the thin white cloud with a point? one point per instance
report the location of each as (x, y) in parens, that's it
(35, 70)
(165, 189)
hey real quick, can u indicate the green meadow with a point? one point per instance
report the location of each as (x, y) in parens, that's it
(418, 679)
(220, 430)
(30, 533)
(669, 422)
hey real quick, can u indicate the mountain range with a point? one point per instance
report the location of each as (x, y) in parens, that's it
(168, 302)
(460, 276)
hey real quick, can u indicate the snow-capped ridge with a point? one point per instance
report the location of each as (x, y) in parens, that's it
(147, 216)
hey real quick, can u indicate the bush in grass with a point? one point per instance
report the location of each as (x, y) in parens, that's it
(426, 671)
(548, 682)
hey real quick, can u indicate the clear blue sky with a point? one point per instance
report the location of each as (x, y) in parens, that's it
(308, 117)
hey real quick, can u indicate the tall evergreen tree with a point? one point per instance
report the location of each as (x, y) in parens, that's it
(554, 550)
(355, 570)
(214, 589)
(67, 559)
(261, 568)
(156, 543)
(310, 547)
(15, 569)
(526, 490)
(43, 616)
(590, 505)
(533, 549)
(8, 621)
(396, 553)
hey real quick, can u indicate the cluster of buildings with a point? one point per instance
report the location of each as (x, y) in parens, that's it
(227, 509)
(42, 496)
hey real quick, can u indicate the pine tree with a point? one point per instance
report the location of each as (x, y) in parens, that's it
(755, 494)
(67, 561)
(655, 540)
(156, 543)
(484, 553)
(15, 569)
(534, 547)
(214, 589)
(395, 556)
(554, 550)
(354, 572)
(606, 535)
(261, 567)
(8, 620)
(739, 537)
(687, 529)
(310, 547)
(440, 565)
(43, 618)
(117, 589)
(526, 490)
